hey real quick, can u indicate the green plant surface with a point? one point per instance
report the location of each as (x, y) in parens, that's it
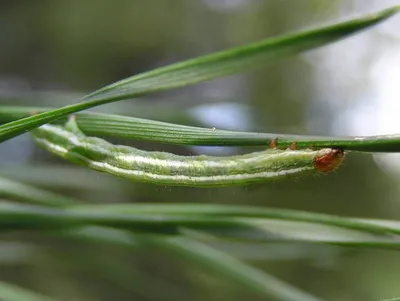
(202, 255)
(11, 292)
(14, 190)
(151, 130)
(61, 177)
(280, 225)
(241, 211)
(249, 223)
(193, 250)
(203, 69)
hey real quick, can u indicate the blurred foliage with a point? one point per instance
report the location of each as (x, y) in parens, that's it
(77, 47)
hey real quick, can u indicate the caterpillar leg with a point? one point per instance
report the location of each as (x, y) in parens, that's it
(274, 143)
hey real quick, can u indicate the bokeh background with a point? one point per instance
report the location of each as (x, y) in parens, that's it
(54, 52)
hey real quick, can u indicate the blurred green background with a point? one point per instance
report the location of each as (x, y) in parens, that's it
(52, 52)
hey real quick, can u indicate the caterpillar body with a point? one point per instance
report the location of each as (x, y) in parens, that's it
(163, 168)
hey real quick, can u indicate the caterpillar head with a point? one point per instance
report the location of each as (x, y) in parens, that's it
(328, 159)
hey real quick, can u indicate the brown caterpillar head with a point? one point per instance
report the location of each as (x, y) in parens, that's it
(328, 159)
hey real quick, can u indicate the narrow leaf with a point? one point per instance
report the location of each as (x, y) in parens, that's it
(272, 226)
(258, 281)
(14, 190)
(203, 68)
(203, 255)
(151, 130)
(252, 212)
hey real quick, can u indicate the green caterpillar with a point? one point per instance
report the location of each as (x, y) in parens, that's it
(163, 168)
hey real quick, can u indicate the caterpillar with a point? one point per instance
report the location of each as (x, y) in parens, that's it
(163, 168)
